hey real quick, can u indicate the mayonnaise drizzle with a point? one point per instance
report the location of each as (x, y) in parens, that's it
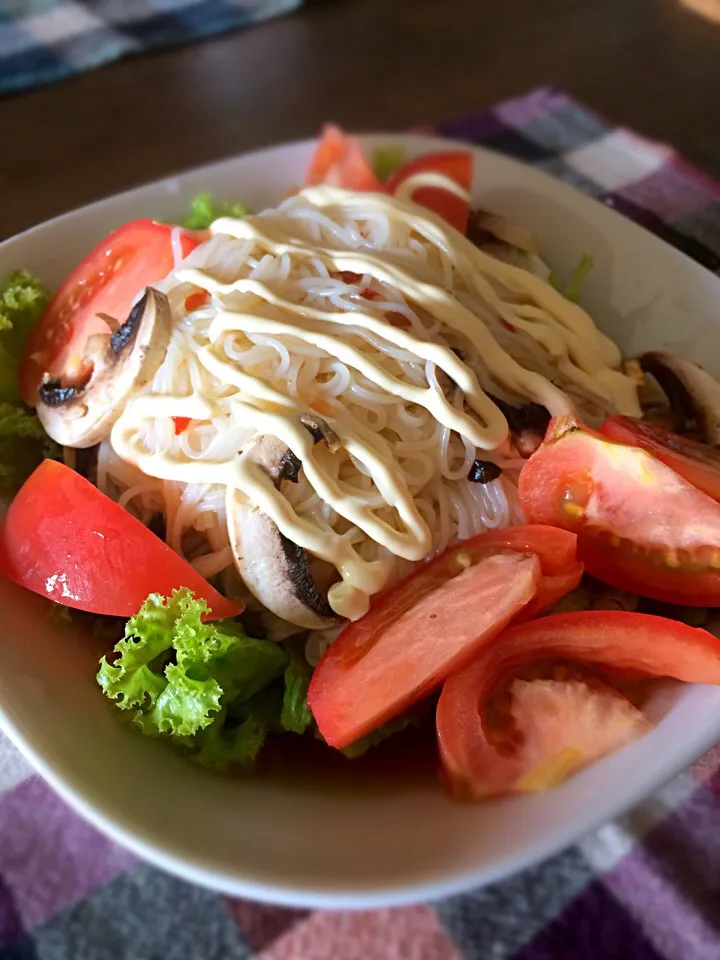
(488, 437)
(247, 306)
(600, 355)
(586, 365)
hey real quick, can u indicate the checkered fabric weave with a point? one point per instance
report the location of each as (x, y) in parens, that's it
(46, 40)
(646, 887)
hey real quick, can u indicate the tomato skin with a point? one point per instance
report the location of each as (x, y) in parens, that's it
(556, 549)
(107, 281)
(457, 165)
(399, 651)
(339, 161)
(694, 586)
(696, 462)
(632, 643)
(67, 541)
(637, 521)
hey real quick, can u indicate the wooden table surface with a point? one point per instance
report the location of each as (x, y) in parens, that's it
(382, 64)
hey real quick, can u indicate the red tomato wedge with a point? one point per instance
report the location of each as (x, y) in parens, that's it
(424, 626)
(339, 161)
(67, 541)
(457, 165)
(698, 463)
(395, 655)
(562, 725)
(107, 281)
(640, 526)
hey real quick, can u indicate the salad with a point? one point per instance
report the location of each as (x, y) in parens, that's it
(356, 464)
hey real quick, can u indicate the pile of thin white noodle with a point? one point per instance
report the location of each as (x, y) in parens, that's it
(431, 461)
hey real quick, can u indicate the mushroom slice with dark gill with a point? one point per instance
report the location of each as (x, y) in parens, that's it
(122, 362)
(283, 576)
(693, 394)
(527, 425)
(506, 241)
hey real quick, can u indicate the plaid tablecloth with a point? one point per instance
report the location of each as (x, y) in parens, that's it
(46, 40)
(646, 887)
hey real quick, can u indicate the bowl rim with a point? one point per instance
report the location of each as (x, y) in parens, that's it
(193, 869)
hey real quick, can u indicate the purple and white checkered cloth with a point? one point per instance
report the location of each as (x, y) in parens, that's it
(646, 887)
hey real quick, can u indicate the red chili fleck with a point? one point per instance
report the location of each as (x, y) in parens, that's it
(196, 300)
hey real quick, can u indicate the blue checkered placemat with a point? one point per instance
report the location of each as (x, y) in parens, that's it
(46, 40)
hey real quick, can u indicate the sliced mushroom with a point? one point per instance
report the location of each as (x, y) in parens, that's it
(282, 575)
(506, 241)
(517, 258)
(528, 416)
(320, 431)
(123, 361)
(693, 395)
(527, 424)
(484, 227)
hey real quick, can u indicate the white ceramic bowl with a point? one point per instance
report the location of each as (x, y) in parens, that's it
(320, 838)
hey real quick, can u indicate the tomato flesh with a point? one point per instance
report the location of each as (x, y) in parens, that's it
(67, 541)
(550, 590)
(640, 526)
(339, 161)
(399, 651)
(560, 727)
(698, 463)
(107, 281)
(563, 727)
(457, 165)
